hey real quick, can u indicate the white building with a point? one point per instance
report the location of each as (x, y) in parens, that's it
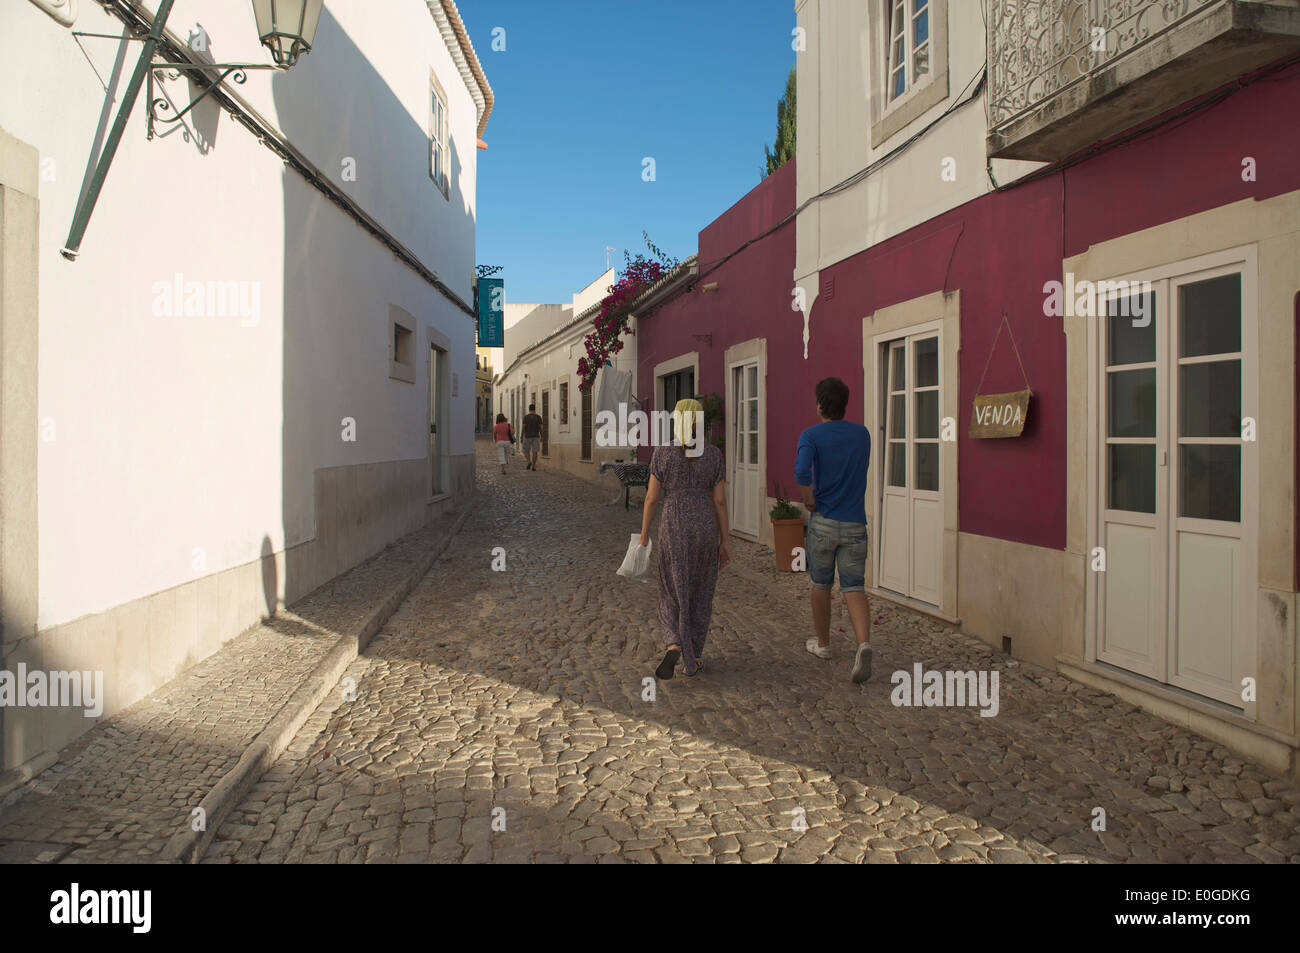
(260, 368)
(955, 161)
(543, 345)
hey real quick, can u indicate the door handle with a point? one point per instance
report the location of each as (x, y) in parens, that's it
(433, 428)
(1164, 458)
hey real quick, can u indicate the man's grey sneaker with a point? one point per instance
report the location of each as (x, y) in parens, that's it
(862, 663)
(821, 651)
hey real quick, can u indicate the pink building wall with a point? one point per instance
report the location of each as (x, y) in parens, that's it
(752, 299)
(997, 251)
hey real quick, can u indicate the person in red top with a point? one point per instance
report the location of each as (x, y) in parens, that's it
(504, 435)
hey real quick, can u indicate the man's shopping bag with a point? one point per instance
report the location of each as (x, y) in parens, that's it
(637, 561)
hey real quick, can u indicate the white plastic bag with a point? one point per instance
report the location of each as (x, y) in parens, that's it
(637, 561)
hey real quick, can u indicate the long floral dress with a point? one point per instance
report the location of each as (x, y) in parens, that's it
(688, 546)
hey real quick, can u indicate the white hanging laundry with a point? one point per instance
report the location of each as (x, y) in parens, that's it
(615, 388)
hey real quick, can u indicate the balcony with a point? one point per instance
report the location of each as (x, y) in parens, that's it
(1064, 74)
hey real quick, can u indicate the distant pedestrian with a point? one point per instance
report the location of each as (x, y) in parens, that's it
(504, 435)
(692, 541)
(831, 470)
(532, 436)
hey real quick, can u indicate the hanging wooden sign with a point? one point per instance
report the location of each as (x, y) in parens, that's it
(1000, 415)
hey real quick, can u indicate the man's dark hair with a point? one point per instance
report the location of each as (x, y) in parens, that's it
(832, 397)
(531, 408)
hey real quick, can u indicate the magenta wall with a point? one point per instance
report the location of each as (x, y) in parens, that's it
(752, 300)
(997, 251)
(1000, 249)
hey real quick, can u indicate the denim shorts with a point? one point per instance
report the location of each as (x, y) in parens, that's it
(832, 544)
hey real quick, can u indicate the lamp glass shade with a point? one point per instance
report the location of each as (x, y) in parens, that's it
(287, 27)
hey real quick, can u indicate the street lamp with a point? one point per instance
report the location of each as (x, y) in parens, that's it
(287, 27)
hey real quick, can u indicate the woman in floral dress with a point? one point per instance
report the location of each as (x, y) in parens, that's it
(692, 541)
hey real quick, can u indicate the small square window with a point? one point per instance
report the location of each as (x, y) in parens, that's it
(401, 344)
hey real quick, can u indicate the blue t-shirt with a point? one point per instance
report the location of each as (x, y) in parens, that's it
(833, 457)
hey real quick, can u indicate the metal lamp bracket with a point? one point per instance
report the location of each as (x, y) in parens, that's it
(158, 105)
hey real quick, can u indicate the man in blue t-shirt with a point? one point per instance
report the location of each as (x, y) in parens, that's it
(831, 470)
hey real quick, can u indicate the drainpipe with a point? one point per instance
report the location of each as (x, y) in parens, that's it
(86, 204)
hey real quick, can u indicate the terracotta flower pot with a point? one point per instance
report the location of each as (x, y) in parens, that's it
(786, 535)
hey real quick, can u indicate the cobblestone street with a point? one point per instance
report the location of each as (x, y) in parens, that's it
(499, 716)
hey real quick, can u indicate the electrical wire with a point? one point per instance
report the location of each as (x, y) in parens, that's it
(1160, 124)
(962, 99)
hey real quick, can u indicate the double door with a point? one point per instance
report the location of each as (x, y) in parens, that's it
(1173, 562)
(908, 450)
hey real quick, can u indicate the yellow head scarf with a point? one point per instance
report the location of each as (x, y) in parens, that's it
(685, 420)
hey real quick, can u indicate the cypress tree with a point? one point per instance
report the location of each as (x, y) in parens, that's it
(785, 130)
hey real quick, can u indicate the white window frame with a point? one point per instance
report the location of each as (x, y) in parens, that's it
(890, 114)
(400, 369)
(906, 13)
(438, 137)
(683, 362)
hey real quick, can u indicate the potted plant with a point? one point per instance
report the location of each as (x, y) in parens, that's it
(713, 416)
(787, 530)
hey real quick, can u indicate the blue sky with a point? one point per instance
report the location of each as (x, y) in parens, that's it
(585, 89)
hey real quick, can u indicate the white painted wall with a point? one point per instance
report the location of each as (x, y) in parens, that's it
(173, 433)
(594, 292)
(555, 361)
(528, 325)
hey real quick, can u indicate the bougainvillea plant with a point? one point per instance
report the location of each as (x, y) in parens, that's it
(611, 321)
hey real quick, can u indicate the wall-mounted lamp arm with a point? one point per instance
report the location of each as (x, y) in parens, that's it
(86, 204)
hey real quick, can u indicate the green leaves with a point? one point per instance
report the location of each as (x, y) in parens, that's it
(784, 148)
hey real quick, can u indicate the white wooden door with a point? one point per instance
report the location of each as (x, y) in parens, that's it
(435, 438)
(744, 482)
(911, 539)
(1134, 502)
(1171, 486)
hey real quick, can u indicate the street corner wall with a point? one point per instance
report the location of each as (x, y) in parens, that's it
(758, 210)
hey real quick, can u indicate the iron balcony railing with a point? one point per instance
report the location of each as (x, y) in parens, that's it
(1039, 47)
